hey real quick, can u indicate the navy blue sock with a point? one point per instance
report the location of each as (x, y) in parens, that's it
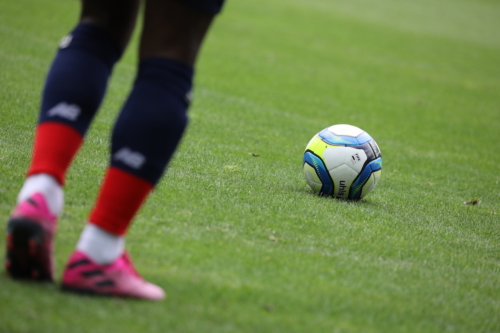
(77, 80)
(153, 118)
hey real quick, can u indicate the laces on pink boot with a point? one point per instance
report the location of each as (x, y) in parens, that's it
(30, 233)
(116, 279)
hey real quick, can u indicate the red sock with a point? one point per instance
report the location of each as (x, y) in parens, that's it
(120, 197)
(55, 147)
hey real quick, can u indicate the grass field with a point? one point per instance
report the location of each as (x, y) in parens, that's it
(239, 242)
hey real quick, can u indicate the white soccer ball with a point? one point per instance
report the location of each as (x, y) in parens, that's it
(342, 161)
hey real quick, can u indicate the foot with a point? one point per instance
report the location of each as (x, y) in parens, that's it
(30, 233)
(116, 279)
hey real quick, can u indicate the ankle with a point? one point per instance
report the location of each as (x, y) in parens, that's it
(48, 186)
(100, 245)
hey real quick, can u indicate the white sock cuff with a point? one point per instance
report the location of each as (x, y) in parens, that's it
(48, 186)
(101, 246)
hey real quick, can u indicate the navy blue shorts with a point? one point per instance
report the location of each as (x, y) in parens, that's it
(211, 6)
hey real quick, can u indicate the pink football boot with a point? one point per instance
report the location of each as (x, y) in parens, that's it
(116, 279)
(30, 233)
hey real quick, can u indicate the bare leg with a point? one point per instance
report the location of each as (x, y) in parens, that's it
(116, 17)
(173, 30)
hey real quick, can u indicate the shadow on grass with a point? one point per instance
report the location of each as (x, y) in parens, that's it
(365, 202)
(24, 289)
(13, 288)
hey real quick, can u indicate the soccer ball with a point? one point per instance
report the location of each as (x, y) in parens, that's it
(342, 161)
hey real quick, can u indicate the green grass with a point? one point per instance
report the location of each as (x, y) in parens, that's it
(239, 242)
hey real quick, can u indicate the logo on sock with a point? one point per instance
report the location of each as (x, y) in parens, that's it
(133, 159)
(65, 110)
(189, 97)
(65, 41)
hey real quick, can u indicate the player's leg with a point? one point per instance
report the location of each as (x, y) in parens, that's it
(73, 91)
(144, 138)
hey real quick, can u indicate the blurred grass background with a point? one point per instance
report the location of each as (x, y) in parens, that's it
(239, 242)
